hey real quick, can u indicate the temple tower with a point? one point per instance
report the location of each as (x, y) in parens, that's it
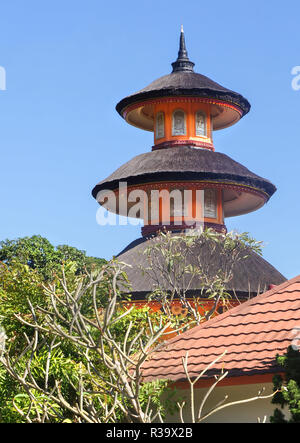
(183, 109)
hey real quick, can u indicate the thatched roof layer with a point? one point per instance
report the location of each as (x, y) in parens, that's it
(187, 164)
(184, 83)
(250, 275)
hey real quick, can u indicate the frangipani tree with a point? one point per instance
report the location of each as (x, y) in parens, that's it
(102, 379)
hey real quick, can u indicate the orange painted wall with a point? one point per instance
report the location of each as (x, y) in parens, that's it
(206, 305)
(169, 186)
(190, 108)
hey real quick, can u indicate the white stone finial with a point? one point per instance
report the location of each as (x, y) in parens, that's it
(181, 30)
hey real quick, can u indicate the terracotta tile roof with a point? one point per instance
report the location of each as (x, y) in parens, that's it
(252, 333)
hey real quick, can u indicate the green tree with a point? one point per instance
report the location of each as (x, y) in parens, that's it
(46, 373)
(74, 352)
(39, 254)
(36, 252)
(26, 265)
(18, 284)
(289, 387)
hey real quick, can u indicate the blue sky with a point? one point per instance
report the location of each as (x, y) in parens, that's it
(69, 62)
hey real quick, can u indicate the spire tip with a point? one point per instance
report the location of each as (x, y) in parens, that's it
(182, 63)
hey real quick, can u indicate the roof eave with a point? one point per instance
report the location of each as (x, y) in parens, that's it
(228, 97)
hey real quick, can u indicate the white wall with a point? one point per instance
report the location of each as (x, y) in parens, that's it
(243, 413)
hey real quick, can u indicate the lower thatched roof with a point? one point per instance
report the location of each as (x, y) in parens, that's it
(250, 275)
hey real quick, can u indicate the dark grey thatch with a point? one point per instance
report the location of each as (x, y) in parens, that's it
(250, 275)
(184, 163)
(184, 83)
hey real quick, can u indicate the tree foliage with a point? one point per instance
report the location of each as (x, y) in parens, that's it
(174, 265)
(289, 387)
(71, 350)
(26, 264)
(59, 354)
(38, 253)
